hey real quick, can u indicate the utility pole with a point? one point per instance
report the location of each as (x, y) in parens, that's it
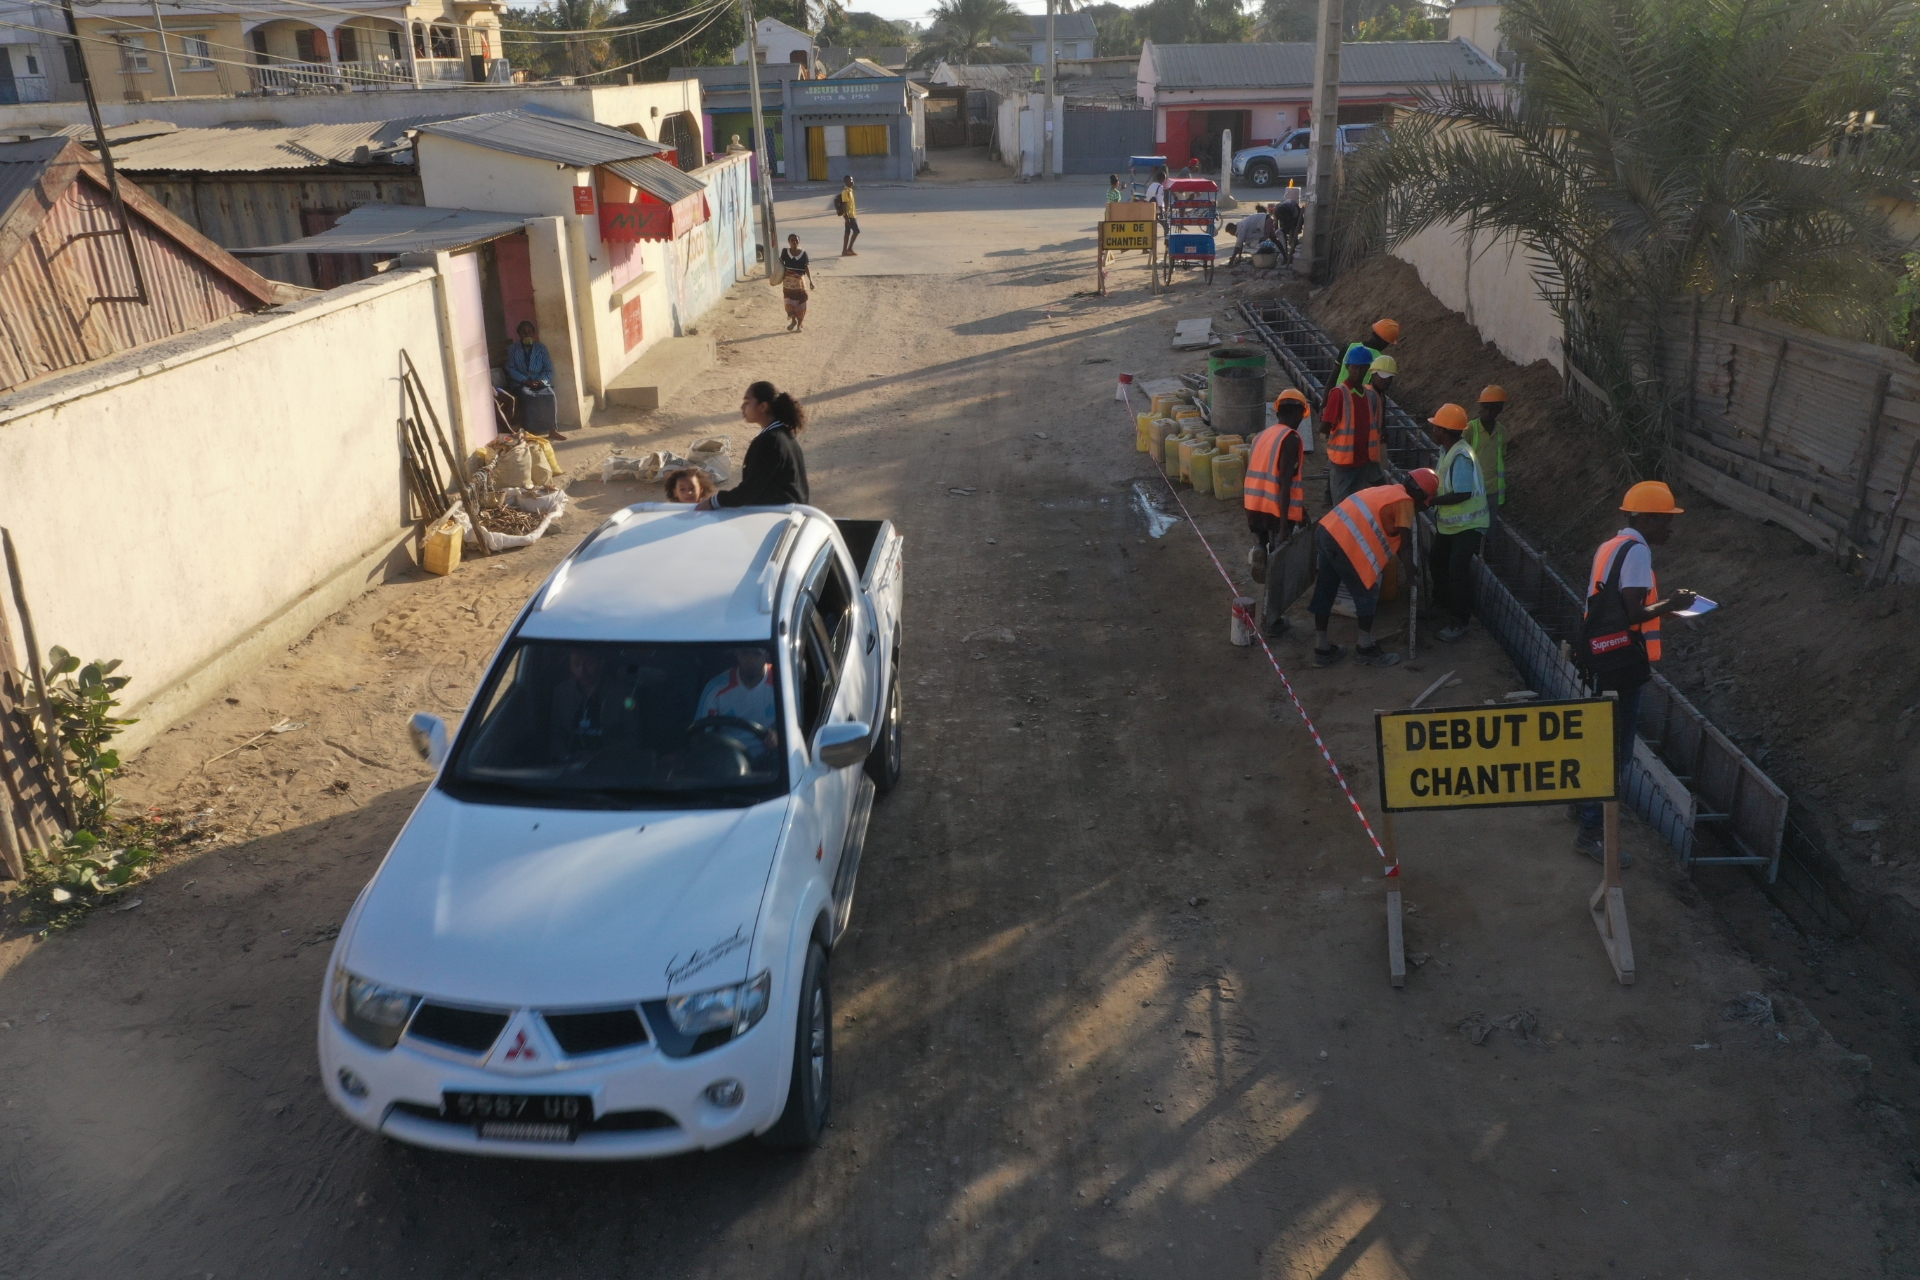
(1047, 124)
(1324, 153)
(106, 162)
(166, 55)
(762, 156)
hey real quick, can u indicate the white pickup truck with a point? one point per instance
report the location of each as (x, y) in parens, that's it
(604, 931)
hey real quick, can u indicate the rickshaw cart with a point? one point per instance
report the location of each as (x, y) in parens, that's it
(1192, 217)
(1140, 172)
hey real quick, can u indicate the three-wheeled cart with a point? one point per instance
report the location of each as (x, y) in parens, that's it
(1140, 172)
(1192, 215)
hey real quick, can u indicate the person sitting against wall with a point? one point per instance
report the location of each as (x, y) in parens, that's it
(530, 378)
(774, 472)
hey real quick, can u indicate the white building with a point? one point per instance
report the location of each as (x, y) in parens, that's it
(1073, 37)
(775, 41)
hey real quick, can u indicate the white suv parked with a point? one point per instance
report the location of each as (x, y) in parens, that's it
(1267, 166)
(604, 931)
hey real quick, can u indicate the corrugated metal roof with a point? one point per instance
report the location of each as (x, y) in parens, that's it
(263, 148)
(21, 164)
(659, 179)
(544, 137)
(1290, 66)
(402, 228)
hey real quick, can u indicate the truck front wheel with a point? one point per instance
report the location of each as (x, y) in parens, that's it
(810, 1092)
(1263, 173)
(883, 763)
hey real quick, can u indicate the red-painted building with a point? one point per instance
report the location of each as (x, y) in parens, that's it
(1264, 91)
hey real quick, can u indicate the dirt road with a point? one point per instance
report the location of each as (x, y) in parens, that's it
(1114, 1000)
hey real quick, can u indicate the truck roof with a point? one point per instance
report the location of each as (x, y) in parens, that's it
(664, 573)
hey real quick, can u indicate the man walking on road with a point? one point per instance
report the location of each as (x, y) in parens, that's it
(1460, 516)
(849, 216)
(1275, 501)
(1621, 639)
(1350, 419)
(1488, 441)
(1352, 543)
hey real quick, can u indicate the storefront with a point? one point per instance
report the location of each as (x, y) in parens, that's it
(872, 129)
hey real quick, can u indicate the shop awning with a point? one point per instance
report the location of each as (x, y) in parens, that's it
(659, 179)
(402, 228)
(649, 200)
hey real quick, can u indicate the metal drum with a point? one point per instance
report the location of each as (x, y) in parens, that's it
(1238, 396)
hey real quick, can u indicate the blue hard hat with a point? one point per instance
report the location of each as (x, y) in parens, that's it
(1359, 353)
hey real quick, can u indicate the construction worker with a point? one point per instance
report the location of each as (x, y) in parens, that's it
(1489, 443)
(1628, 554)
(1353, 542)
(1275, 500)
(1350, 421)
(1460, 518)
(1381, 373)
(1383, 334)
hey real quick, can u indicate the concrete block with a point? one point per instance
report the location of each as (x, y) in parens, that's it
(657, 376)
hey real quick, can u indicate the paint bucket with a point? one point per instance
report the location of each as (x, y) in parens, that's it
(1229, 476)
(1239, 400)
(441, 553)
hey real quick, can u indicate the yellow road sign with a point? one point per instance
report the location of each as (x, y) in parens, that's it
(1127, 235)
(1470, 757)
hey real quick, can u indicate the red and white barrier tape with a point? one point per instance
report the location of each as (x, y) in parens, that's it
(1246, 616)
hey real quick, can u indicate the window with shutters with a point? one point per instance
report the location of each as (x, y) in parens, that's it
(867, 140)
(199, 53)
(133, 54)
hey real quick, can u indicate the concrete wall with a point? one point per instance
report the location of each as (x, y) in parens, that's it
(703, 264)
(1491, 283)
(199, 504)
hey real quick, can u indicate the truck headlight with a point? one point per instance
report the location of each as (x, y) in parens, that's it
(373, 1013)
(738, 1006)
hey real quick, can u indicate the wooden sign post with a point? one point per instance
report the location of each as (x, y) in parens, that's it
(1129, 227)
(1535, 753)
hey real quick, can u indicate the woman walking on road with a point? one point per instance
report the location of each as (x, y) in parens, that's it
(795, 280)
(774, 471)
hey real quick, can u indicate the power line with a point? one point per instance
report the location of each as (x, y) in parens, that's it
(277, 14)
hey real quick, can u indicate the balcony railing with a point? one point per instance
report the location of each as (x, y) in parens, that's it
(372, 73)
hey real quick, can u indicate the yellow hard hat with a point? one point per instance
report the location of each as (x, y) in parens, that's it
(1450, 417)
(1494, 394)
(1384, 365)
(1388, 329)
(1651, 498)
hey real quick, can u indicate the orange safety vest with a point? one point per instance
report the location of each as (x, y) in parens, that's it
(1602, 563)
(1346, 447)
(1359, 526)
(1262, 483)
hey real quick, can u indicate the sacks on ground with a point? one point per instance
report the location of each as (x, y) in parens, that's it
(711, 456)
(540, 502)
(513, 467)
(546, 463)
(643, 467)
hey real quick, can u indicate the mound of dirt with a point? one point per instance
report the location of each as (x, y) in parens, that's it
(1812, 676)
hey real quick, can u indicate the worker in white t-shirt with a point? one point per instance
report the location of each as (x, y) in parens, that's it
(743, 691)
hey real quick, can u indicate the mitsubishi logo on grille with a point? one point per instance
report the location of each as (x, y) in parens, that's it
(521, 1050)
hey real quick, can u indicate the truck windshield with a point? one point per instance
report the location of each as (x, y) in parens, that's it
(625, 726)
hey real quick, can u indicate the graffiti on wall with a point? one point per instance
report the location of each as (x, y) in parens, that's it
(711, 258)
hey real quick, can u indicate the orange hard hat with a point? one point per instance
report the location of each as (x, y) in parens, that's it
(1429, 482)
(1650, 498)
(1494, 394)
(1388, 329)
(1293, 394)
(1450, 417)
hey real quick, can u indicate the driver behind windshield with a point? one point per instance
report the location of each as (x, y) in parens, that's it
(743, 691)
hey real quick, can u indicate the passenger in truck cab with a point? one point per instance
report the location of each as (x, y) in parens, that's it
(585, 708)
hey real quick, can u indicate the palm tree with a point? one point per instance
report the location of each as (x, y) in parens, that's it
(1656, 151)
(964, 31)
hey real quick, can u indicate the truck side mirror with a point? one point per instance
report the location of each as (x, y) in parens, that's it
(839, 745)
(429, 734)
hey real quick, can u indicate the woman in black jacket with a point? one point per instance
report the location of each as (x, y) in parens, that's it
(774, 472)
